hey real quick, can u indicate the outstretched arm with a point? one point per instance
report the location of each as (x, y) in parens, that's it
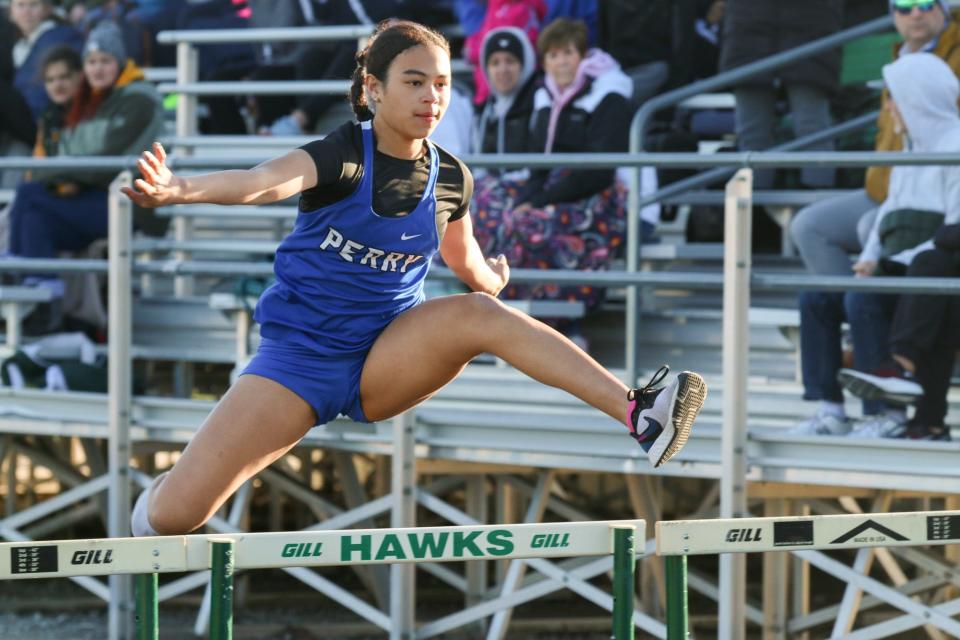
(462, 254)
(268, 182)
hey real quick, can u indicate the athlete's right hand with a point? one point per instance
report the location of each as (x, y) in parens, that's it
(501, 269)
(158, 186)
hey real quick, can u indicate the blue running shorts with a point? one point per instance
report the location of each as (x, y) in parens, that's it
(329, 384)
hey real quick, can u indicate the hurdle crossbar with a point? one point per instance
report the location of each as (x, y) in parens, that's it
(681, 538)
(224, 554)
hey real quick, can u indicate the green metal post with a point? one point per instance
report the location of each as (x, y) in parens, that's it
(624, 564)
(221, 589)
(145, 594)
(677, 619)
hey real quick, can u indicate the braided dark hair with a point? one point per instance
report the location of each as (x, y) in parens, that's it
(391, 38)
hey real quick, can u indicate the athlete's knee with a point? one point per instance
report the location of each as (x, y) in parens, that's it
(171, 515)
(483, 305)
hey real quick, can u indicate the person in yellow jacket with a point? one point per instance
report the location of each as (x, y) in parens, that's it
(827, 233)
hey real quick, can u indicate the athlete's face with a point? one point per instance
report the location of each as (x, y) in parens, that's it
(101, 70)
(61, 82)
(416, 93)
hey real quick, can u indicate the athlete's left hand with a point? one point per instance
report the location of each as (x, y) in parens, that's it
(501, 269)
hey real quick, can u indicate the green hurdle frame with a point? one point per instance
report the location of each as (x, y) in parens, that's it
(224, 555)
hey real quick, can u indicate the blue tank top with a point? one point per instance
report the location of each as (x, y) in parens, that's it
(345, 272)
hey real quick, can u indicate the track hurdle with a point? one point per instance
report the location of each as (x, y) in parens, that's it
(804, 536)
(223, 555)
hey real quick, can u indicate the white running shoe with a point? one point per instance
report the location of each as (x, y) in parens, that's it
(879, 426)
(872, 387)
(661, 419)
(822, 424)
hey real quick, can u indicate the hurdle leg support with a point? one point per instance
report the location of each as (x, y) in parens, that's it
(677, 616)
(221, 589)
(145, 588)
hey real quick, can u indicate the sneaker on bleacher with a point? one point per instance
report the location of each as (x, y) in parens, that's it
(888, 382)
(822, 423)
(938, 433)
(883, 425)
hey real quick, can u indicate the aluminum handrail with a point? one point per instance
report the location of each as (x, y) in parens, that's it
(240, 140)
(687, 280)
(264, 87)
(742, 159)
(277, 34)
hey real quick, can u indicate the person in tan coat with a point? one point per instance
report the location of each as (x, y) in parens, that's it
(828, 232)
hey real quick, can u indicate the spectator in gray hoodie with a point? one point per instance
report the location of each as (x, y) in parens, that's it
(923, 103)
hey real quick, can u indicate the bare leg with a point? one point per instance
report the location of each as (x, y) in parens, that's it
(256, 422)
(429, 345)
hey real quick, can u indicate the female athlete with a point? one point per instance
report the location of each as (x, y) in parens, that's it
(345, 328)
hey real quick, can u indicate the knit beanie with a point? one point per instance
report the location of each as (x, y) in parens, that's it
(944, 5)
(107, 38)
(503, 40)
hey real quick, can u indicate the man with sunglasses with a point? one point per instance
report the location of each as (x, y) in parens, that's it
(828, 232)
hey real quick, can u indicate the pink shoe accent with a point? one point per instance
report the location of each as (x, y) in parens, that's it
(632, 428)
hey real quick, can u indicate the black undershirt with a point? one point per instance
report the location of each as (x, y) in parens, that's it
(398, 184)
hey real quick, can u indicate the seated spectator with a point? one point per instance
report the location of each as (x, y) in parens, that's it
(510, 63)
(923, 106)
(115, 113)
(526, 15)
(39, 31)
(755, 29)
(826, 233)
(563, 218)
(62, 77)
(923, 345)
